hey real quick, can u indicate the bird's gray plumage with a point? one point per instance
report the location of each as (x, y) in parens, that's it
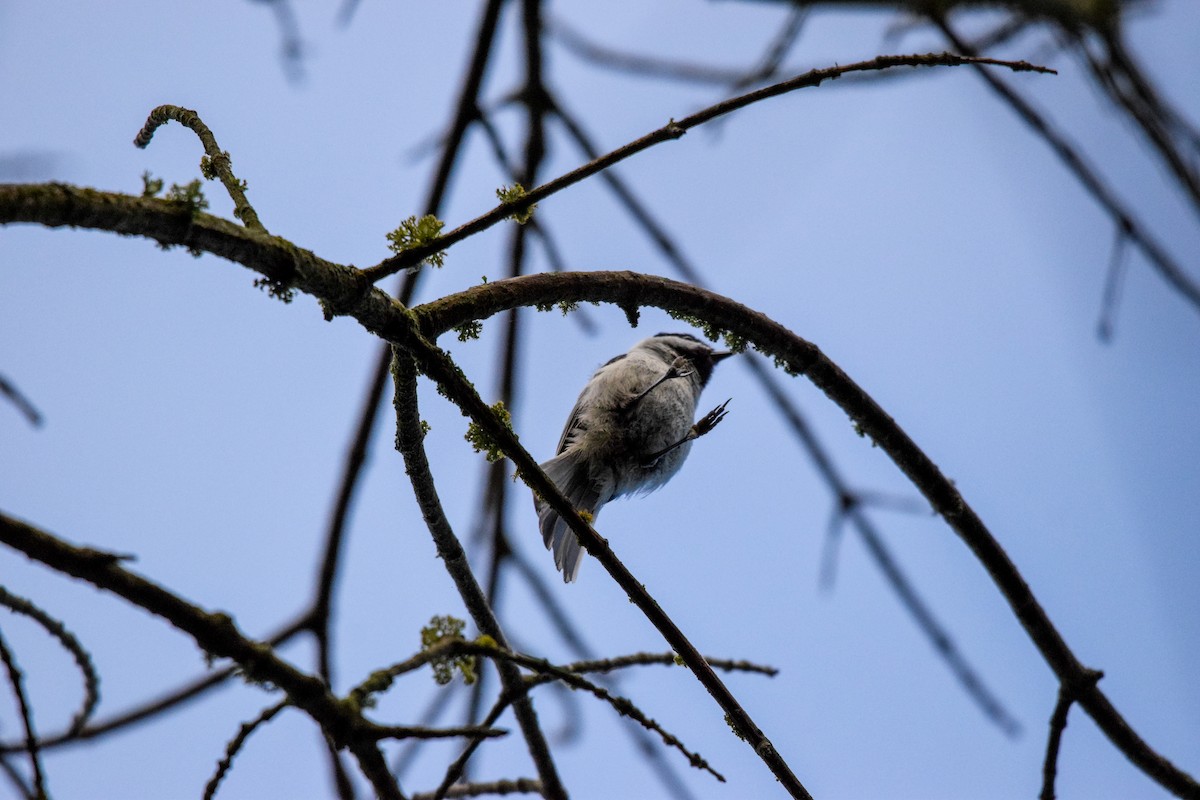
(611, 438)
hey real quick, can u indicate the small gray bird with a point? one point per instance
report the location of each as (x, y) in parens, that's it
(629, 432)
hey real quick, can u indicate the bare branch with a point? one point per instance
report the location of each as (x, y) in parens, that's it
(215, 633)
(674, 130)
(216, 163)
(1058, 724)
(23, 403)
(83, 659)
(520, 785)
(944, 644)
(236, 743)
(799, 357)
(1088, 176)
(409, 438)
(16, 681)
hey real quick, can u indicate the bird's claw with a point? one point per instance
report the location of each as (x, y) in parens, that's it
(710, 420)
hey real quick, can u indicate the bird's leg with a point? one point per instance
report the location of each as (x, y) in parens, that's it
(681, 367)
(706, 424)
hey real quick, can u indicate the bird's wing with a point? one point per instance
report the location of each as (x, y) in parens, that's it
(575, 421)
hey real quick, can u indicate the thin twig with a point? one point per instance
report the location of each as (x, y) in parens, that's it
(218, 162)
(1122, 79)
(83, 659)
(666, 659)
(153, 708)
(16, 779)
(1088, 177)
(216, 634)
(236, 743)
(458, 767)
(426, 732)
(674, 130)
(409, 441)
(518, 786)
(16, 681)
(800, 357)
(818, 453)
(319, 621)
(23, 403)
(1058, 723)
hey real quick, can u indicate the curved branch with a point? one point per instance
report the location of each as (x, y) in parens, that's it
(938, 635)
(215, 164)
(216, 634)
(800, 357)
(151, 708)
(16, 680)
(1088, 176)
(342, 291)
(83, 659)
(674, 130)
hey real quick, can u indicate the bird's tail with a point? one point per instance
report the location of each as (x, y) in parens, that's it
(571, 476)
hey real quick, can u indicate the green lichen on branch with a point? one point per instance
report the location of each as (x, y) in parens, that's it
(565, 306)
(414, 233)
(481, 441)
(276, 289)
(513, 194)
(734, 342)
(734, 728)
(189, 196)
(435, 633)
(469, 330)
(151, 186)
(782, 363)
(712, 332)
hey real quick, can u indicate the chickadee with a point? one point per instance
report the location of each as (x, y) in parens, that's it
(629, 432)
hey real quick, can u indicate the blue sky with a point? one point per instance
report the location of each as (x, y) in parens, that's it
(911, 228)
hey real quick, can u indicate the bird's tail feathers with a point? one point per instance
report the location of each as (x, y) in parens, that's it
(572, 478)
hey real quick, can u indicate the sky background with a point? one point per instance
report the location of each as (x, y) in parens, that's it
(911, 228)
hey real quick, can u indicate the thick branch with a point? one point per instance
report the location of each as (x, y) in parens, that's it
(342, 291)
(798, 356)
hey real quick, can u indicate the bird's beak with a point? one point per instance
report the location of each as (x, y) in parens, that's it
(721, 355)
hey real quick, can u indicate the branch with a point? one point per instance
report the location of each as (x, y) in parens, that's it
(674, 130)
(16, 681)
(83, 659)
(409, 441)
(1058, 724)
(23, 403)
(342, 291)
(1088, 176)
(236, 743)
(215, 164)
(215, 633)
(520, 785)
(799, 357)
(152, 708)
(926, 621)
(435, 364)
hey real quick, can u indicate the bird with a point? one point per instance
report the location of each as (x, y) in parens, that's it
(630, 431)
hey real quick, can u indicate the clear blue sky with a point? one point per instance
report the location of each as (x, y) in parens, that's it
(911, 228)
